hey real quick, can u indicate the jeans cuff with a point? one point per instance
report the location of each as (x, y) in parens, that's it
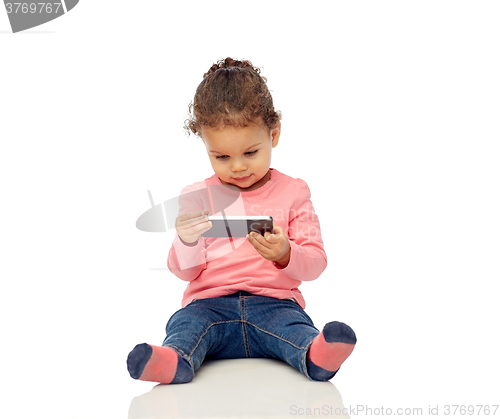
(182, 355)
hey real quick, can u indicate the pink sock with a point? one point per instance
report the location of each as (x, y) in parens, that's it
(329, 350)
(160, 364)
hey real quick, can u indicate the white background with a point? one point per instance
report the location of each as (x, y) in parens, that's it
(390, 114)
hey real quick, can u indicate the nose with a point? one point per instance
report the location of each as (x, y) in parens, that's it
(238, 166)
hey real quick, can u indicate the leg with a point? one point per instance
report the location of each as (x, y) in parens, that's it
(212, 330)
(166, 364)
(282, 329)
(205, 328)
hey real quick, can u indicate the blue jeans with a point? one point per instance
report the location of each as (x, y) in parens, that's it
(241, 325)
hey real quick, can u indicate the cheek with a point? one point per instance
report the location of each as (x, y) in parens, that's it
(266, 157)
(218, 167)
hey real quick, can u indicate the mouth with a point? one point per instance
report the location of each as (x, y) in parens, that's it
(241, 179)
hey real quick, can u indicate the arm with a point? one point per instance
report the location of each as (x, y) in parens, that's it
(307, 256)
(186, 258)
(186, 261)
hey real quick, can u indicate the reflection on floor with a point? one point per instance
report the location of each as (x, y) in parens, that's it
(241, 388)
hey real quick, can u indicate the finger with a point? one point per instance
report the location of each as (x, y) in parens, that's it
(259, 242)
(204, 227)
(191, 223)
(192, 218)
(258, 247)
(196, 230)
(277, 236)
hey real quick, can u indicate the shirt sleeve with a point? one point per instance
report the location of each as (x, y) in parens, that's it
(307, 255)
(187, 262)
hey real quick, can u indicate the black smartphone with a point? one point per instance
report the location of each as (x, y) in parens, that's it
(235, 226)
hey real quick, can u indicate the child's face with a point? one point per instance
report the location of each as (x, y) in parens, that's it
(241, 156)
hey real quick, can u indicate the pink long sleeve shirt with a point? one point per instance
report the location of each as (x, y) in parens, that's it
(215, 267)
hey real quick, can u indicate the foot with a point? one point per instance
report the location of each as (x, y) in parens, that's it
(160, 364)
(329, 350)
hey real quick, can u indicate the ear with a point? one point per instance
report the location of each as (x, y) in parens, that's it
(275, 134)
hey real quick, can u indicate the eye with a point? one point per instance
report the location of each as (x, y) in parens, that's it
(225, 157)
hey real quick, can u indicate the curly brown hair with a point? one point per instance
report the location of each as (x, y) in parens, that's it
(232, 93)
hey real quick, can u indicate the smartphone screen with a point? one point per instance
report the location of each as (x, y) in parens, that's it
(234, 226)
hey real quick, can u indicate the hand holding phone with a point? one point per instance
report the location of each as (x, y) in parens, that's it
(274, 247)
(191, 225)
